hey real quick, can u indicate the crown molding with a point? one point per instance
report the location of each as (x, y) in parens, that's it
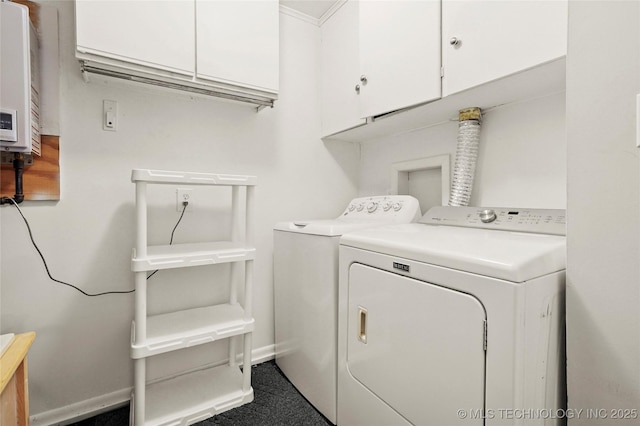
(329, 13)
(299, 15)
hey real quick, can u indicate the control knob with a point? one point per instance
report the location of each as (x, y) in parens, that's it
(487, 216)
(372, 207)
(360, 207)
(386, 205)
(397, 206)
(352, 207)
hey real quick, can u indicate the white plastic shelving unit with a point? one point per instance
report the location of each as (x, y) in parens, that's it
(198, 395)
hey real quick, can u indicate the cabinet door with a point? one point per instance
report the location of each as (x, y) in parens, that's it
(339, 98)
(238, 42)
(399, 54)
(157, 34)
(498, 38)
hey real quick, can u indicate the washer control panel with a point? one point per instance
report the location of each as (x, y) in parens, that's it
(393, 208)
(539, 221)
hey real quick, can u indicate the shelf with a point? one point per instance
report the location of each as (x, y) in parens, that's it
(195, 396)
(190, 178)
(193, 254)
(182, 329)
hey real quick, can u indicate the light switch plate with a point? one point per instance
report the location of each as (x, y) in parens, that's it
(110, 115)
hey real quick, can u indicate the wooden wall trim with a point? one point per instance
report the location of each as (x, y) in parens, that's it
(41, 180)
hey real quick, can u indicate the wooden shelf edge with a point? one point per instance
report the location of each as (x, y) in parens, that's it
(13, 357)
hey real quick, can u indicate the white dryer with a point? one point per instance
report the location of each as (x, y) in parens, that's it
(455, 320)
(305, 269)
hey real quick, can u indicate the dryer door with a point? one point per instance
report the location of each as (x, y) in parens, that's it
(417, 346)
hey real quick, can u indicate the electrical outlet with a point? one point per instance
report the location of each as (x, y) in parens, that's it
(182, 195)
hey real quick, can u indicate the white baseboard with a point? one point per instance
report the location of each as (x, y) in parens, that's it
(263, 354)
(83, 409)
(103, 403)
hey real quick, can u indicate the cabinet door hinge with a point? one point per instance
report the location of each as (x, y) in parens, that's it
(484, 337)
(441, 72)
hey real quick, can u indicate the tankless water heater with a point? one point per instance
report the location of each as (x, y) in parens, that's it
(19, 81)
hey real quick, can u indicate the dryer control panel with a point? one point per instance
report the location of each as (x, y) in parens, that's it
(538, 221)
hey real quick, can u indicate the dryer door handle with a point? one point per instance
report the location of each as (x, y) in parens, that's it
(362, 325)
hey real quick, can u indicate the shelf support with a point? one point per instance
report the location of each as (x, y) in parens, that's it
(140, 326)
(249, 216)
(140, 316)
(235, 266)
(248, 291)
(139, 390)
(249, 220)
(141, 219)
(246, 363)
(235, 237)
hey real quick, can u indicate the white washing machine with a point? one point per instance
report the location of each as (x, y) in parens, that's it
(455, 320)
(306, 292)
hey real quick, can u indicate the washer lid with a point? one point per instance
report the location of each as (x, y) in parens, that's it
(512, 256)
(327, 228)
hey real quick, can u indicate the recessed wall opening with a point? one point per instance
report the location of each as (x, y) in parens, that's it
(426, 179)
(426, 186)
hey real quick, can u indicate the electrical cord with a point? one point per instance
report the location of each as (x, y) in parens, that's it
(185, 204)
(46, 267)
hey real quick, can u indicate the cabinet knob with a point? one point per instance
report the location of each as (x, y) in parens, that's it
(358, 89)
(363, 79)
(455, 41)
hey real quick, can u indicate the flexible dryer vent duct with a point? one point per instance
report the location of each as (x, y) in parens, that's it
(466, 156)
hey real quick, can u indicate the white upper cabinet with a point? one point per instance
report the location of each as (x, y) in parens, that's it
(399, 48)
(238, 42)
(339, 61)
(434, 57)
(225, 48)
(157, 34)
(378, 57)
(485, 40)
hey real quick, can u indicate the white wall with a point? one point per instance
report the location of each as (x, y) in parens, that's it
(603, 274)
(521, 161)
(81, 355)
(80, 359)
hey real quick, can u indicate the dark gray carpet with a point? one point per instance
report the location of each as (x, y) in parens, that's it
(276, 402)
